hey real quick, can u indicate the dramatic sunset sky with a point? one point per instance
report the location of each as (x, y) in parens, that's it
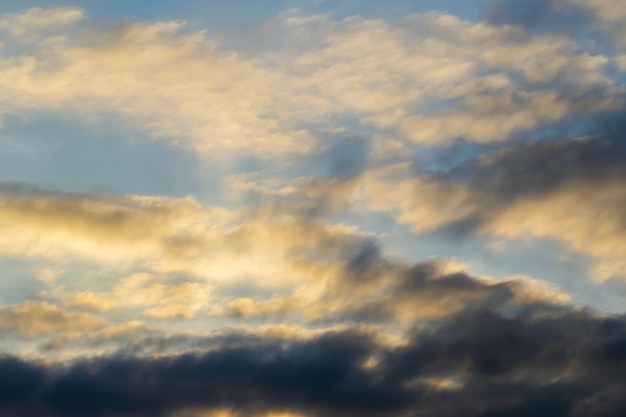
(329, 208)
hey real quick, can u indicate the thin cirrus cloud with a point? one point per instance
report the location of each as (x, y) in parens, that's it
(342, 146)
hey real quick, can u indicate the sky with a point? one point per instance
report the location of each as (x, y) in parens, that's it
(312, 208)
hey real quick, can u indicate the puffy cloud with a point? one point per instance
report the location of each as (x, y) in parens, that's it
(260, 267)
(52, 224)
(367, 288)
(424, 294)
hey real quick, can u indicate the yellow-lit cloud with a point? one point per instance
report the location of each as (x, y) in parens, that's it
(24, 25)
(156, 298)
(33, 318)
(581, 214)
(184, 88)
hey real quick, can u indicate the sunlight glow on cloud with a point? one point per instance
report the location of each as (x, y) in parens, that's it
(411, 213)
(180, 86)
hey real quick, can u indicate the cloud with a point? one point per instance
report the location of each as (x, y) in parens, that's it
(175, 86)
(432, 79)
(595, 20)
(607, 14)
(502, 346)
(424, 292)
(166, 235)
(157, 298)
(32, 318)
(566, 189)
(165, 259)
(22, 25)
(279, 305)
(539, 361)
(435, 78)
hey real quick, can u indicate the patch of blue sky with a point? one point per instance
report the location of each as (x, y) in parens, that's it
(49, 152)
(20, 280)
(343, 153)
(245, 26)
(227, 12)
(439, 159)
(571, 127)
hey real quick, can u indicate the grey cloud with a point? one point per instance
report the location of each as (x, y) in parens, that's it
(425, 291)
(527, 12)
(543, 167)
(581, 20)
(530, 363)
(543, 15)
(569, 189)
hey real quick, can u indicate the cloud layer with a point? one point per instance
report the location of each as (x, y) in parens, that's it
(540, 362)
(567, 189)
(489, 82)
(344, 150)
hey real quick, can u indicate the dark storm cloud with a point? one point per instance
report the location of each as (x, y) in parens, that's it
(323, 374)
(560, 365)
(476, 363)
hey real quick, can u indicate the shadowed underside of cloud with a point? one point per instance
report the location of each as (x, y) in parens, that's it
(599, 19)
(539, 362)
(568, 189)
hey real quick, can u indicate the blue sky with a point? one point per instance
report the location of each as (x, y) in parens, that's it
(219, 178)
